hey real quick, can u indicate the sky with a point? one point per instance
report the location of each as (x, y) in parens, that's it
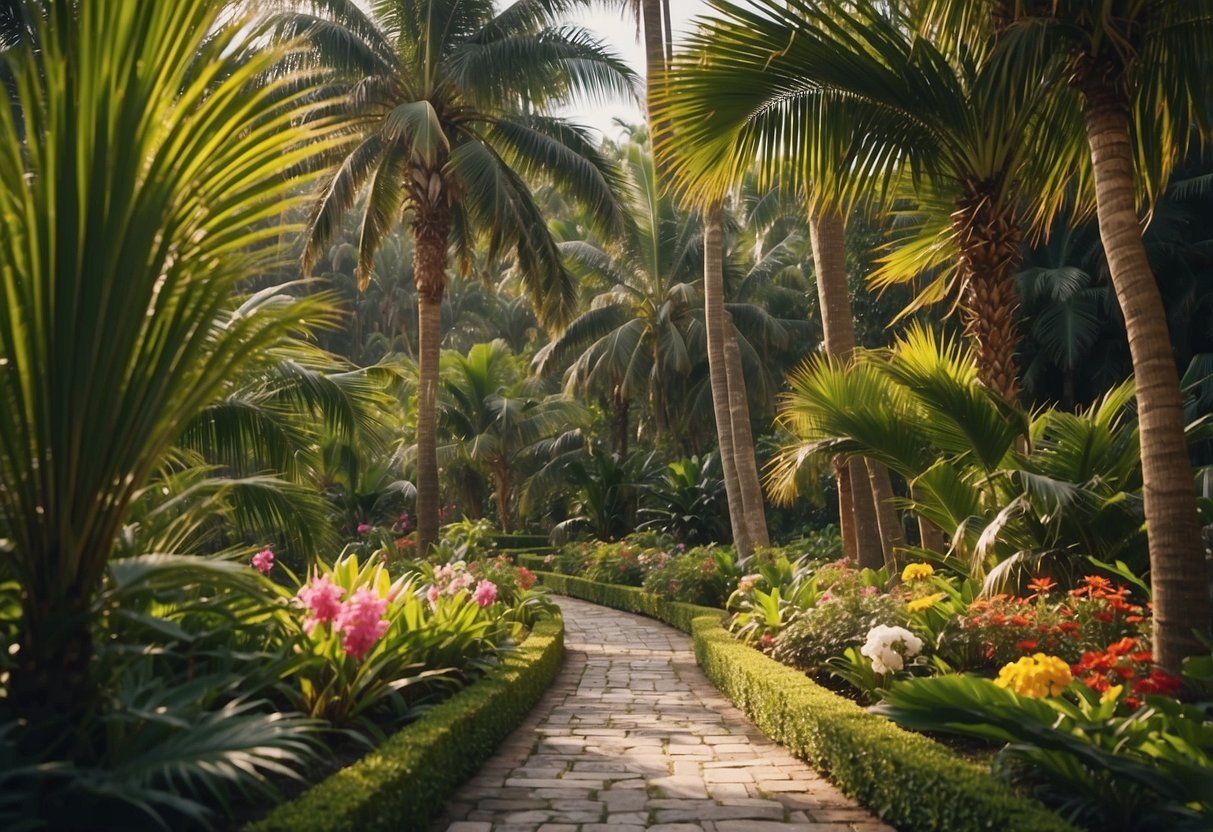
(620, 34)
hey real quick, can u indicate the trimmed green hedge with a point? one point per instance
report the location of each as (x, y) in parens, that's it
(905, 778)
(406, 781)
(531, 561)
(630, 599)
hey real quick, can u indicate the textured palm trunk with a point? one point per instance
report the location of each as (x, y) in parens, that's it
(989, 239)
(827, 232)
(654, 66)
(743, 441)
(846, 511)
(1178, 574)
(714, 316)
(891, 536)
(431, 227)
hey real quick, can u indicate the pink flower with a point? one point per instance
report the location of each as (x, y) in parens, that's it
(363, 528)
(867, 591)
(361, 619)
(486, 593)
(323, 600)
(432, 594)
(263, 561)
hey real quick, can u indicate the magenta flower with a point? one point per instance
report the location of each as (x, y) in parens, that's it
(363, 528)
(263, 561)
(361, 619)
(486, 593)
(323, 600)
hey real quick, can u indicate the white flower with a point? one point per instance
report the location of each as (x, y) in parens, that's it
(889, 647)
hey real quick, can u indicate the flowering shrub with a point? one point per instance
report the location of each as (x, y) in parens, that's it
(373, 644)
(889, 647)
(999, 630)
(843, 617)
(1125, 664)
(612, 563)
(702, 575)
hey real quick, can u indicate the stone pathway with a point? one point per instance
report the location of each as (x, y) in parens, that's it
(633, 736)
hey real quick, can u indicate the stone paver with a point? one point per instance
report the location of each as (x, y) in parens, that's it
(632, 736)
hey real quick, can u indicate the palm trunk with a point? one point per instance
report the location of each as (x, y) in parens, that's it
(52, 690)
(431, 226)
(867, 525)
(743, 441)
(846, 511)
(501, 493)
(621, 405)
(714, 316)
(891, 536)
(989, 257)
(827, 232)
(654, 65)
(1178, 573)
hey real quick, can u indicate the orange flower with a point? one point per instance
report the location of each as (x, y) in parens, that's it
(1120, 648)
(1042, 585)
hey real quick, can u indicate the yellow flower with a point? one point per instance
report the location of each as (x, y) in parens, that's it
(916, 571)
(1037, 676)
(1111, 694)
(925, 602)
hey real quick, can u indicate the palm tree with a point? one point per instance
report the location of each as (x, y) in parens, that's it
(135, 213)
(1139, 69)
(446, 104)
(642, 334)
(493, 418)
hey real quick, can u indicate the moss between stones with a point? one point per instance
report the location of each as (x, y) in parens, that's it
(905, 778)
(405, 782)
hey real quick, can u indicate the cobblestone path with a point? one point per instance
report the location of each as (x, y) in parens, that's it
(633, 736)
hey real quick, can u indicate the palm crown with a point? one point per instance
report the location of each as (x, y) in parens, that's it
(445, 100)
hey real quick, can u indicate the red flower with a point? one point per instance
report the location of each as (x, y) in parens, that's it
(1120, 648)
(1025, 645)
(1020, 621)
(1105, 617)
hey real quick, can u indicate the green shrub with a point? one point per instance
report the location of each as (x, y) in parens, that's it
(840, 620)
(704, 575)
(629, 599)
(405, 781)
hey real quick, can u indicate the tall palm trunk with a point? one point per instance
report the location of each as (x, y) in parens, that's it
(891, 536)
(1177, 569)
(714, 316)
(827, 233)
(431, 227)
(846, 510)
(743, 441)
(989, 239)
(654, 66)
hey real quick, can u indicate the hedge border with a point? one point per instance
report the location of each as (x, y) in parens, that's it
(907, 779)
(406, 781)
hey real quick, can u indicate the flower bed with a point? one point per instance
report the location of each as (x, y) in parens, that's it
(404, 783)
(907, 779)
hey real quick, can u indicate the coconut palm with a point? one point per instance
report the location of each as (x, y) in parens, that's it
(854, 100)
(643, 333)
(1135, 72)
(446, 100)
(135, 212)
